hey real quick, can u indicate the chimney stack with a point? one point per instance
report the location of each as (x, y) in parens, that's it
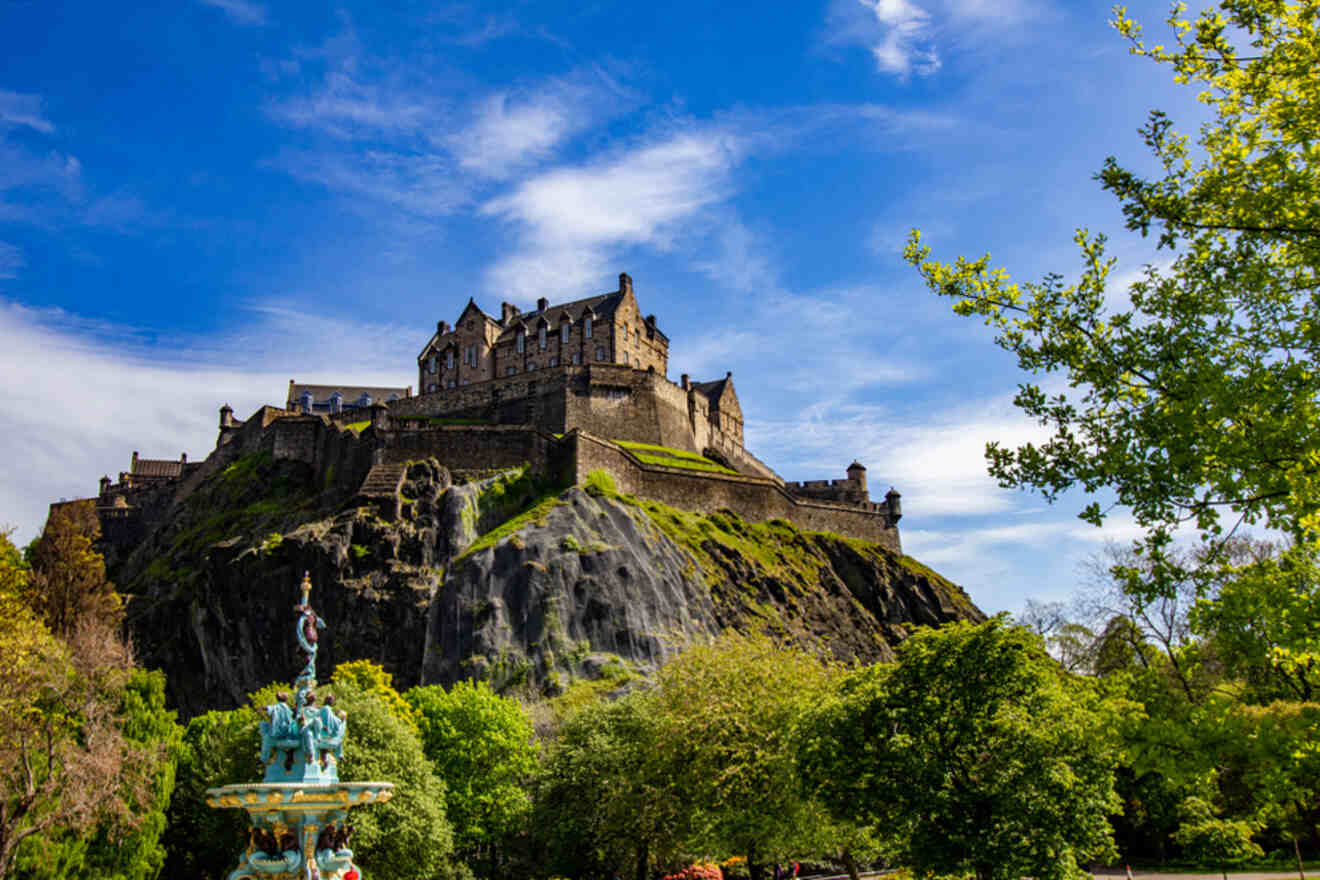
(625, 283)
(684, 383)
(508, 311)
(441, 327)
(542, 304)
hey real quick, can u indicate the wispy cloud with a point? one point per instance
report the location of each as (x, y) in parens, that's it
(17, 109)
(241, 11)
(11, 260)
(898, 34)
(511, 130)
(570, 218)
(116, 393)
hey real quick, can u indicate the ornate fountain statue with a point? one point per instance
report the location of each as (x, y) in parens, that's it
(299, 811)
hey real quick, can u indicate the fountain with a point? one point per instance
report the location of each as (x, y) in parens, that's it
(299, 811)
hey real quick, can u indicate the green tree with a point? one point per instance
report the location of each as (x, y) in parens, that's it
(67, 583)
(974, 752)
(598, 809)
(371, 677)
(483, 748)
(723, 745)
(78, 764)
(1213, 840)
(1201, 398)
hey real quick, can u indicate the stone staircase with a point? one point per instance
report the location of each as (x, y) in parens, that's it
(381, 489)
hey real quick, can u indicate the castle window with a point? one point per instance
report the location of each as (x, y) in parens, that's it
(522, 342)
(449, 360)
(554, 362)
(431, 387)
(586, 327)
(540, 336)
(451, 383)
(531, 365)
(564, 329)
(577, 357)
(600, 352)
(510, 371)
(637, 336)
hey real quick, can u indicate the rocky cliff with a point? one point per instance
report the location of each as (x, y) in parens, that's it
(528, 586)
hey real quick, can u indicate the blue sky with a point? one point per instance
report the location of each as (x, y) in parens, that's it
(202, 199)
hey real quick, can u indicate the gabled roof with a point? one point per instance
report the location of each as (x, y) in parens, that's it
(156, 467)
(472, 306)
(601, 306)
(350, 393)
(712, 390)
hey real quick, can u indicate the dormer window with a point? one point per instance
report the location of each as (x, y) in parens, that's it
(540, 336)
(586, 327)
(522, 342)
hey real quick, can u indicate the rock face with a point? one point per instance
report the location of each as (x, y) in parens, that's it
(502, 579)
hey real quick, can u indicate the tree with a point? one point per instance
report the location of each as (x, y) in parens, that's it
(974, 752)
(70, 761)
(483, 748)
(725, 712)
(1221, 842)
(67, 582)
(598, 809)
(1203, 397)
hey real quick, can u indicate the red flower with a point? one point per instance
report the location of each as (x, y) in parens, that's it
(351, 874)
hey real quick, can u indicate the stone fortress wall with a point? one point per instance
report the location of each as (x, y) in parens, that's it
(561, 421)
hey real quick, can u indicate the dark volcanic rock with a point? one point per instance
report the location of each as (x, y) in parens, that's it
(493, 580)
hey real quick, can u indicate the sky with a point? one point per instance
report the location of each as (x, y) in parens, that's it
(203, 199)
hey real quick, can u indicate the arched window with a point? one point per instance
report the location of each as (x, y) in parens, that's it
(540, 336)
(522, 341)
(586, 327)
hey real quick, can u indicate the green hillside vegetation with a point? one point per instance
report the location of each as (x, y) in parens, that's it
(679, 458)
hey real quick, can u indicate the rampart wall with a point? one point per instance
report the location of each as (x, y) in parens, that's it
(753, 498)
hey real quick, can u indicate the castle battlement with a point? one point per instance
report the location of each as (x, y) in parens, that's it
(563, 389)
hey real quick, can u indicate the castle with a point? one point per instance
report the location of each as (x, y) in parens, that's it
(564, 390)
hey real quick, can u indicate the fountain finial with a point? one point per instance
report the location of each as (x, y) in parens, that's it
(306, 586)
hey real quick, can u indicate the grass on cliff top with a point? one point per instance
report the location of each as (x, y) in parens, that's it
(357, 427)
(516, 499)
(649, 453)
(254, 497)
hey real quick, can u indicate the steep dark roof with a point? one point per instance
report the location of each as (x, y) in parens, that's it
(350, 393)
(601, 306)
(712, 390)
(157, 467)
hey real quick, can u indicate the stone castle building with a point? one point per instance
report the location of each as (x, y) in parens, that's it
(564, 389)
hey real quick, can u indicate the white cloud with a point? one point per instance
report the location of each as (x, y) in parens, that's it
(423, 184)
(11, 260)
(23, 110)
(82, 395)
(511, 130)
(240, 11)
(898, 34)
(571, 218)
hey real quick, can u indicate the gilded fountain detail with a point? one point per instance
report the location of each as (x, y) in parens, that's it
(298, 813)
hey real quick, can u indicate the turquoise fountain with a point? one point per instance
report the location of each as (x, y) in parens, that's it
(299, 811)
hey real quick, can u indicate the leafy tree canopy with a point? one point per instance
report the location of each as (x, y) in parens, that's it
(1201, 397)
(484, 749)
(975, 751)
